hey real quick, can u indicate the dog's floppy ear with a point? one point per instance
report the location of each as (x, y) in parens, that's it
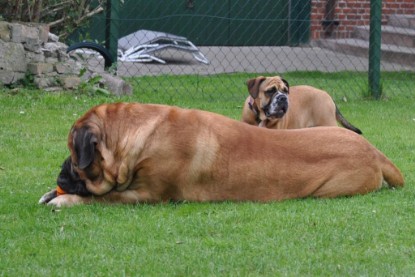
(253, 86)
(84, 142)
(287, 85)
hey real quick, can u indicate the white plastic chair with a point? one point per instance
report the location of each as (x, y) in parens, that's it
(142, 45)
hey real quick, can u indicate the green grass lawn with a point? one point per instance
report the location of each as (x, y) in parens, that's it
(370, 235)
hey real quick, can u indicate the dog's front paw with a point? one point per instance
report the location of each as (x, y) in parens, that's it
(47, 197)
(66, 200)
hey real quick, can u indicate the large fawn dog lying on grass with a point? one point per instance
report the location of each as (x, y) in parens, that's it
(133, 153)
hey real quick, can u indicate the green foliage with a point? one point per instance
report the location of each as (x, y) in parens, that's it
(91, 86)
(27, 82)
(370, 235)
(62, 16)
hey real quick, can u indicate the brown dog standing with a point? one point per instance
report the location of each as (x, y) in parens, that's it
(132, 153)
(275, 105)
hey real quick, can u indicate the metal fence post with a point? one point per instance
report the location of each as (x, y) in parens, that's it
(112, 27)
(375, 48)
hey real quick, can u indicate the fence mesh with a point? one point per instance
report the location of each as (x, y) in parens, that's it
(214, 39)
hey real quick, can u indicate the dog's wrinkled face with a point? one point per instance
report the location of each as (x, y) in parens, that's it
(275, 106)
(69, 180)
(87, 159)
(270, 95)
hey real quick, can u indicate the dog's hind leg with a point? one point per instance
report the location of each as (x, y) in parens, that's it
(350, 183)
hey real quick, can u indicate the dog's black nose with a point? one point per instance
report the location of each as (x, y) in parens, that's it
(282, 98)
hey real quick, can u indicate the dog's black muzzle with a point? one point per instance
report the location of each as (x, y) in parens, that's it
(69, 181)
(277, 107)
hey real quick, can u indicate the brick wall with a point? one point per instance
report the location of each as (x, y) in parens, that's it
(350, 13)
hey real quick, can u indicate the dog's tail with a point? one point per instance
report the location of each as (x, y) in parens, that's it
(340, 118)
(391, 174)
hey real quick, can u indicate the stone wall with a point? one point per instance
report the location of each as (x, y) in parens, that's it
(27, 49)
(31, 51)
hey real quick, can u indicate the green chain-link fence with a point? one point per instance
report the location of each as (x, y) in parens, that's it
(215, 38)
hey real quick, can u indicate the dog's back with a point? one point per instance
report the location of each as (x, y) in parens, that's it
(323, 162)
